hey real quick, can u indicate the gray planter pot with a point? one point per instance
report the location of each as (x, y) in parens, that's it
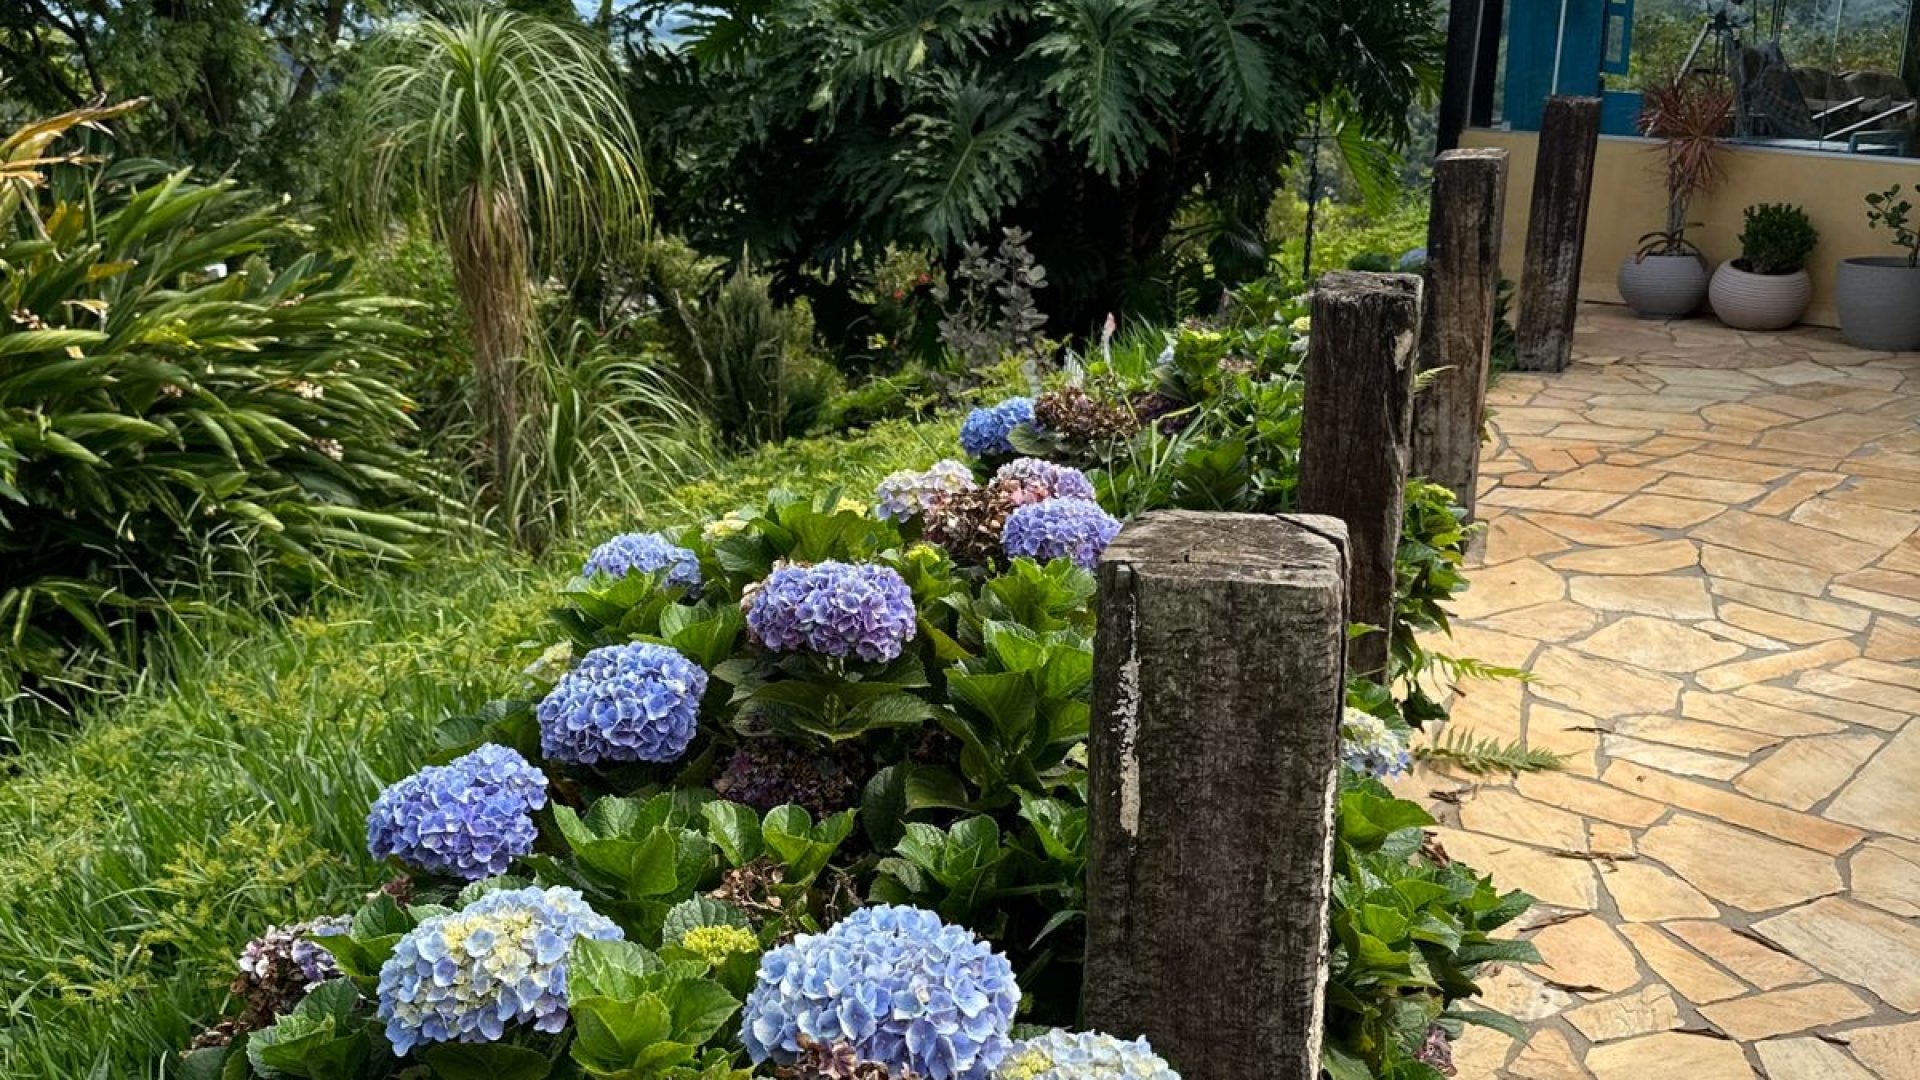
(1879, 301)
(1748, 301)
(1663, 286)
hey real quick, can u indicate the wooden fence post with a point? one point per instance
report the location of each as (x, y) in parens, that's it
(1213, 758)
(1354, 434)
(1456, 334)
(1557, 232)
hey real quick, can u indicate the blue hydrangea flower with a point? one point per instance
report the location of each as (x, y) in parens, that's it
(1084, 1055)
(834, 609)
(636, 702)
(646, 553)
(469, 818)
(909, 494)
(466, 975)
(1076, 529)
(896, 985)
(986, 430)
(1030, 480)
(1368, 745)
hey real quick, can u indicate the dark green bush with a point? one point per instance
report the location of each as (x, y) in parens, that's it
(186, 401)
(1777, 239)
(1372, 262)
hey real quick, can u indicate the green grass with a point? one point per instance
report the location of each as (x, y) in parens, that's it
(139, 852)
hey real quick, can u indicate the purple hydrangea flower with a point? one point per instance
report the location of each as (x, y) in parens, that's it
(464, 976)
(1368, 745)
(909, 494)
(834, 609)
(469, 818)
(1076, 529)
(986, 431)
(1084, 1055)
(896, 985)
(646, 553)
(637, 702)
(1030, 480)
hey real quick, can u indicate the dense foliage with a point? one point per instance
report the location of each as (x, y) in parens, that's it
(188, 398)
(819, 133)
(1777, 239)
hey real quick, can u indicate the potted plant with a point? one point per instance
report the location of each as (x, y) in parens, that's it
(1767, 287)
(1667, 276)
(1879, 295)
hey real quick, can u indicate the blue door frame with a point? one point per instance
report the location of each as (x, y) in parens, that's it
(1546, 56)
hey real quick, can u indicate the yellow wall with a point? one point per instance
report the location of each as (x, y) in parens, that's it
(1629, 201)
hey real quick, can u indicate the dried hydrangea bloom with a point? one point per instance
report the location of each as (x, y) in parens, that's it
(908, 494)
(969, 525)
(276, 970)
(1071, 412)
(768, 772)
(634, 702)
(894, 985)
(1075, 529)
(469, 818)
(833, 609)
(1083, 1055)
(645, 553)
(819, 1061)
(987, 431)
(1025, 481)
(1368, 745)
(502, 960)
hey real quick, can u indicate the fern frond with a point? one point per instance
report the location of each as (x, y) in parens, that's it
(1484, 754)
(1466, 667)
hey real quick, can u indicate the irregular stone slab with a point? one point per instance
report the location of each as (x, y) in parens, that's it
(1647, 1010)
(1803, 830)
(1782, 540)
(1587, 798)
(1574, 736)
(1720, 468)
(1590, 532)
(1744, 637)
(1862, 945)
(1517, 584)
(1659, 645)
(1783, 1012)
(1600, 688)
(1666, 597)
(1559, 502)
(1894, 640)
(1585, 953)
(1644, 893)
(1548, 622)
(1671, 758)
(1724, 492)
(1492, 646)
(1500, 812)
(1548, 1056)
(1882, 796)
(1663, 512)
(1694, 978)
(1480, 1053)
(1510, 536)
(1777, 665)
(1867, 524)
(1845, 711)
(1805, 771)
(1764, 967)
(1661, 558)
(1784, 627)
(1610, 841)
(1864, 691)
(1732, 565)
(1886, 874)
(1614, 478)
(1889, 1050)
(1694, 735)
(1521, 994)
(1551, 879)
(1796, 491)
(1850, 617)
(1738, 868)
(1808, 1059)
(1669, 1054)
(1747, 714)
(1906, 675)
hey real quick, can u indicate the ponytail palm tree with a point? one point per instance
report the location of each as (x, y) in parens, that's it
(510, 135)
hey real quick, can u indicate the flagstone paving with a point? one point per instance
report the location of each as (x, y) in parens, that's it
(1702, 544)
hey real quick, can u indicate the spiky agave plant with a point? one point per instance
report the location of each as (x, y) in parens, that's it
(509, 133)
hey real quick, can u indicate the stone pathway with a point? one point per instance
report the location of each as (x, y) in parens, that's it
(1702, 545)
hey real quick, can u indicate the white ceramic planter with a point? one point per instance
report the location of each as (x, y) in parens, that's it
(1663, 286)
(1748, 301)
(1879, 302)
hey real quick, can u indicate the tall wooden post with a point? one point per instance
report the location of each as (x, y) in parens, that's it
(1354, 434)
(1456, 334)
(1213, 758)
(1557, 232)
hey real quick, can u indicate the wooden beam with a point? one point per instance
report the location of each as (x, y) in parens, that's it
(1557, 233)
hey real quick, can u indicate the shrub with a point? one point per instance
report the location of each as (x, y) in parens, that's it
(187, 399)
(1778, 239)
(1887, 210)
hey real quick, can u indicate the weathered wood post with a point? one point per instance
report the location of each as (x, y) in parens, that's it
(1354, 434)
(1217, 694)
(1557, 232)
(1456, 334)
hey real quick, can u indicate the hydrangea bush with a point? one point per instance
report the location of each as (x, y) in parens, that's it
(909, 494)
(1075, 529)
(1084, 1055)
(833, 609)
(896, 985)
(987, 432)
(645, 553)
(469, 818)
(1369, 746)
(502, 960)
(635, 702)
(1025, 481)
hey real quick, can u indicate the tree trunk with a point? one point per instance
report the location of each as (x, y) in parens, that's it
(490, 271)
